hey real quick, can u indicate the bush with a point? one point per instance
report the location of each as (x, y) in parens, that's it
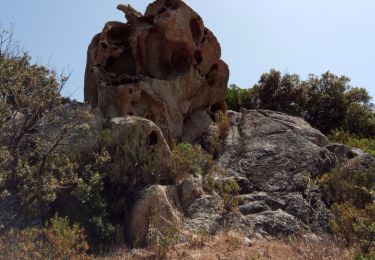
(58, 240)
(278, 92)
(345, 184)
(32, 169)
(189, 160)
(238, 98)
(350, 189)
(162, 240)
(118, 165)
(228, 189)
(132, 160)
(353, 141)
(223, 123)
(356, 225)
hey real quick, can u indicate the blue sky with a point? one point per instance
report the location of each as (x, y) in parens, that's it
(294, 36)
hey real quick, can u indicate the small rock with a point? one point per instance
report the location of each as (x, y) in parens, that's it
(249, 242)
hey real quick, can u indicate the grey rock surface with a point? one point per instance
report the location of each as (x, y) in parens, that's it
(273, 157)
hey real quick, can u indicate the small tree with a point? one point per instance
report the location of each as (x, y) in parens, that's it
(281, 93)
(31, 167)
(238, 98)
(327, 102)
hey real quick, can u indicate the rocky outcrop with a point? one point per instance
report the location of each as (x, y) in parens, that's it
(273, 157)
(164, 66)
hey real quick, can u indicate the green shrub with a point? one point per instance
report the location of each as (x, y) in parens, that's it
(34, 167)
(349, 189)
(228, 190)
(189, 160)
(132, 159)
(353, 141)
(58, 240)
(356, 225)
(92, 210)
(345, 184)
(327, 102)
(162, 240)
(238, 98)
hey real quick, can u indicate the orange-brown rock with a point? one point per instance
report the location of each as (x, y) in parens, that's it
(163, 65)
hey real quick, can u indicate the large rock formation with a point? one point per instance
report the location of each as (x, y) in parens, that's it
(274, 157)
(163, 66)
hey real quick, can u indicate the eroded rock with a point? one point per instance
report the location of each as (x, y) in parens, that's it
(164, 66)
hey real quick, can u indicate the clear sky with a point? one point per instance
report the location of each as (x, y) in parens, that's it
(294, 36)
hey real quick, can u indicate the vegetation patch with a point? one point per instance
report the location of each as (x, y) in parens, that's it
(57, 240)
(351, 195)
(327, 102)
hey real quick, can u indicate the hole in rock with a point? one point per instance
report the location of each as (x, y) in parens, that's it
(351, 155)
(119, 33)
(115, 83)
(153, 138)
(214, 67)
(110, 62)
(195, 30)
(214, 108)
(104, 45)
(130, 91)
(148, 19)
(123, 64)
(181, 60)
(217, 107)
(198, 56)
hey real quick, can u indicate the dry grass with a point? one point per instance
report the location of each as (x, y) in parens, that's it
(232, 247)
(224, 125)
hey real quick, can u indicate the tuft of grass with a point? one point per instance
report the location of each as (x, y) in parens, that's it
(162, 240)
(223, 123)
